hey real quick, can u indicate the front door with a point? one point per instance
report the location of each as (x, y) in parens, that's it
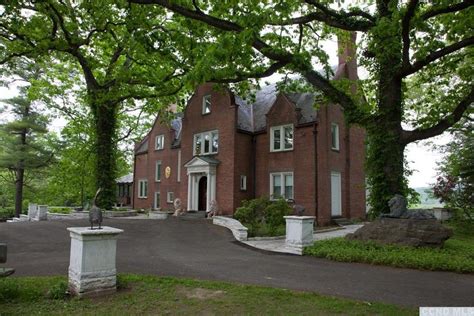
(202, 199)
(336, 205)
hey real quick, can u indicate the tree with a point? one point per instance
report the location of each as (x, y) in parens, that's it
(427, 43)
(455, 183)
(122, 53)
(22, 140)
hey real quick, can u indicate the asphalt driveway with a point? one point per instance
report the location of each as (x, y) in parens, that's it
(195, 248)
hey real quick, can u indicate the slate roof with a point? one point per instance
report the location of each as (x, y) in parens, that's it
(252, 117)
(125, 179)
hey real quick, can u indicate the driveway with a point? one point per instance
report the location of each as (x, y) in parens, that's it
(195, 248)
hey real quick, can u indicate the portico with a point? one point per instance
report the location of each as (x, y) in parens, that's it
(201, 171)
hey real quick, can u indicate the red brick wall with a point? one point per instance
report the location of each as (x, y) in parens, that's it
(236, 156)
(299, 160)
(222, 118)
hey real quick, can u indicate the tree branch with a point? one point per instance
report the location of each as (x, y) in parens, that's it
(410, 12)
(442, 125)
(256, 75)
(448, 9)
(419, 64)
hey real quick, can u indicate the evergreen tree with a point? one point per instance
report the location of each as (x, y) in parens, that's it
(23, 141)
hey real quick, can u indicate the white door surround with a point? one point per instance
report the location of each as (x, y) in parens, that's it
(336, 194)
(196, 168)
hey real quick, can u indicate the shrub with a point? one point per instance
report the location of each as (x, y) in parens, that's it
(60, 210)
(262, 216)
(7, 212)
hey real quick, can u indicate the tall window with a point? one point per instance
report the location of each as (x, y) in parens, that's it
(142, 189)
(243, 183)
(160, 142)
(335, 136)
(281, 185)
(206, 143)
(157, 200)
(281, 138)
(158, 171)
(206, 104)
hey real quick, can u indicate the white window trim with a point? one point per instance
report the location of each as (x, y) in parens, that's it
(162, 142)
(243, 183)
(158, 175)
(169, 197)
(282, 175)
(337, 147)
(282, 137)
(140, 183)
(204, 99)
(202, 142)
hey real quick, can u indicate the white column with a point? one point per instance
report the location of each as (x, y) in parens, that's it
(92, 268)
(299, 231)
(208, 192)
(190, 190)
(213, 186)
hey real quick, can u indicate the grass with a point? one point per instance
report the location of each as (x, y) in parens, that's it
(266, 231)
(457, 255)
(145, 295)
(60, 210)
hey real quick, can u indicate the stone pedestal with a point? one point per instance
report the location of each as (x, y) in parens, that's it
(92, 268)
(42, 214)
(32, 211)
(299, 231)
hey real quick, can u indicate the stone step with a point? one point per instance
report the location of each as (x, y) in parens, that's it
(341, 221)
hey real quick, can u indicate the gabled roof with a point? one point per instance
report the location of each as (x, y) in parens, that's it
(202, 160)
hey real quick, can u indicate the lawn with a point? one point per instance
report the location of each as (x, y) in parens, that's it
(142, 295)
(457, 255)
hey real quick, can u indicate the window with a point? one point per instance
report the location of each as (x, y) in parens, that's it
(243, 183)
(281, 138)
(158, 171)
(160, 142)
(281, 185)
(335, 136)
(142, 189)
(157, 200)
(206, 143)
(170, 197)
(206, 104)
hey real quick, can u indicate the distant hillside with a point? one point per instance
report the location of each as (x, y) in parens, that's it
(426, 199)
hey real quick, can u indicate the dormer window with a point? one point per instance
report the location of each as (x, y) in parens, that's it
(160, 142)
(206, 104)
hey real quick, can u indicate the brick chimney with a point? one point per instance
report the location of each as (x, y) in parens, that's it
(347, 67)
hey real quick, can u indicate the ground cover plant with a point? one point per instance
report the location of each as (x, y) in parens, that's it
(457, 254)
(60, 210)
(146, 295)
(263, 217)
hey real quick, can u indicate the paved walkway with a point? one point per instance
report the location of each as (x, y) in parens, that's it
(279, 245)
(197, 249)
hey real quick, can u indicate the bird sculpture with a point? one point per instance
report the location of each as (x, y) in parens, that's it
(95, 213)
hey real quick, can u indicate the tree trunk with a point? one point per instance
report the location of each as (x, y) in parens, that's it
(105, 127)
(20, 174)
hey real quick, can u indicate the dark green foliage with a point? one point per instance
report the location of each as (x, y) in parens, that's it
(263, 217)
(455, 183)
(457, 254)
(6, 212)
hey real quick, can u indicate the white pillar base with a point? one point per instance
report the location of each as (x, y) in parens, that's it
(42, 213)
(299, 231)
(92, 269)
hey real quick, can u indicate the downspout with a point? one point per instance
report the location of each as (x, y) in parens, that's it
(132, 195)
(254, 168)
(315, 133)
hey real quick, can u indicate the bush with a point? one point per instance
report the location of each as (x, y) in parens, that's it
(60, 210)
(263, 217)
(7, 212)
